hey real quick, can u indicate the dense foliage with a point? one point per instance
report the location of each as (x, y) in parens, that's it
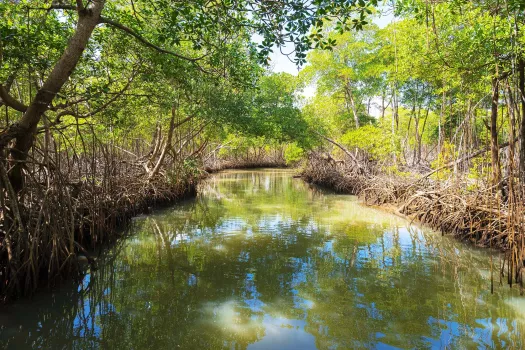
(98, 95)
(441, 81)
(110, 106)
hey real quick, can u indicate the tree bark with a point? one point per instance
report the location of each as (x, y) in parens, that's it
(395, 105)
(441, 118)
(24, 131)
(417, 145)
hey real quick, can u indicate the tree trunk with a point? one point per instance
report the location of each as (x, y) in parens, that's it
(406, 142)
(421, 135)
(350, 103)
(521, 94)
(494, 148)
(417, 145)
(166, 147)
(441, 117)
(393, 130)
(25, 130)
(383, 106)
(354, 109)
(511, 109)
(416, 122)
(395, 106)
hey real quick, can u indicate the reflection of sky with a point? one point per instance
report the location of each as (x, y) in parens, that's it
(447, 331)
(392, 245)
(281, 333)
(85, 322)
(285, 333)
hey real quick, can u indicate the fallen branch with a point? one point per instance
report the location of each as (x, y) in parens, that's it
(344, 149)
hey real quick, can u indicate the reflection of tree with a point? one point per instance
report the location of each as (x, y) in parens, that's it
(396, 297)
(66, 319)
(205, 274)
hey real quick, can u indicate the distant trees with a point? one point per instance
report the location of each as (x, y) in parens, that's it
(442, 73)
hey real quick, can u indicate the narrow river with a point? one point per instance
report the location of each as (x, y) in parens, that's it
(264, 261)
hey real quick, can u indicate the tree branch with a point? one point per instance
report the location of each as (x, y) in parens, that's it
(67, 104)
(56, 7)
(9, 82)
(80, 5)
(111, 100)
(140, 38)
(10, 101)
(344, 149)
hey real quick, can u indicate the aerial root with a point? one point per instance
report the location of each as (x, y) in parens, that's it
(479, 215)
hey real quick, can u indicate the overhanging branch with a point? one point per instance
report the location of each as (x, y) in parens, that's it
(11, 101)
(143, 40)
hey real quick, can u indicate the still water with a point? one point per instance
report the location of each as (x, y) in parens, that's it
(264, 261)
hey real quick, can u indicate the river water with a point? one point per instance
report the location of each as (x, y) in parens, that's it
(264, 261)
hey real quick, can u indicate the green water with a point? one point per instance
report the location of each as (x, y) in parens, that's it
(263, 261)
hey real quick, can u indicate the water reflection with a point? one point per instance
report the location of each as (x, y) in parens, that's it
(262, 261)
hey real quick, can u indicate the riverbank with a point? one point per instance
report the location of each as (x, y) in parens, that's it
(63, 227)
(250, 165)
(269, 162)
(475, 215)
